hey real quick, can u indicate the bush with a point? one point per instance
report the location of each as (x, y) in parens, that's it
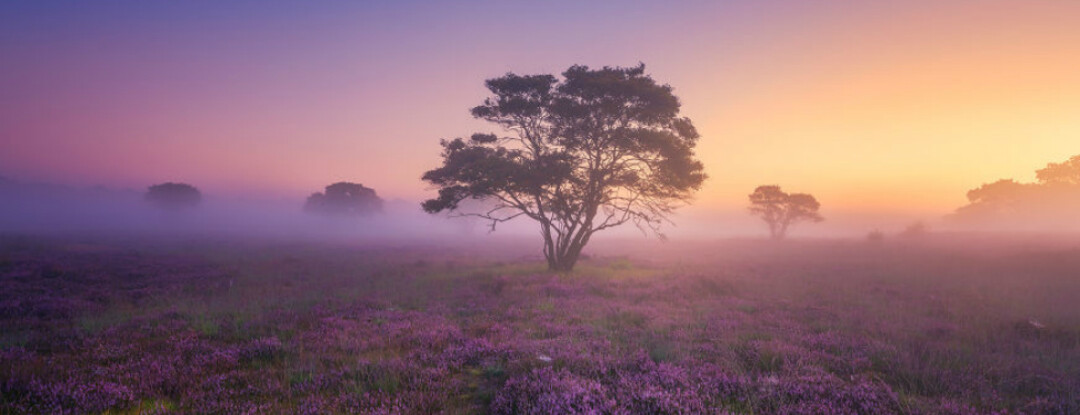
(173, 195)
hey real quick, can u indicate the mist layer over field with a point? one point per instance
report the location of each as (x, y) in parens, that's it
(51, 209)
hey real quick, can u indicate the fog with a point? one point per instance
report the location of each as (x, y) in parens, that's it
(52, 209)
(33, 208)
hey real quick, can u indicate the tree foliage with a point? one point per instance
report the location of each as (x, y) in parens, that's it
(1066, 172)
(1000, 192)
(173, 195)
(590, 151)
(344, 199)
(1045, 204)
(780, 210)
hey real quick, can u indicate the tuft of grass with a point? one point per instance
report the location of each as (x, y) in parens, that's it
(14, 339)
(205, 325)
(98, 322)
(146, 406)
(661, 348)
(621, 264)
(715, 287)
(747, 308)
(768, 360)
(299, 377)
(623, 320)
(495, 372)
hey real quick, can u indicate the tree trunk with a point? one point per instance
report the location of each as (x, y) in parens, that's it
(775, 233)
(783, 230)
(778, 234)
(563, 260)
(562, 253)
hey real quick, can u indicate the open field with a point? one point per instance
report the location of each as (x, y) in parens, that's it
(216, 326)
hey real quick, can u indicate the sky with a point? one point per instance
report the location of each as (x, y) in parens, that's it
(873, 107)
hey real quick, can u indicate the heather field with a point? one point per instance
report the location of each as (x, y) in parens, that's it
(124, 326)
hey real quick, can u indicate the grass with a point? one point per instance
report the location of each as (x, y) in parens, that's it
(335, 327)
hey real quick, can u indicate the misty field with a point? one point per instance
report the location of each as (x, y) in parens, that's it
(217, 326)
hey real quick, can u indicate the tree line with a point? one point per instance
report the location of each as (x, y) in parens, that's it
(341, 199)
(1054, 194)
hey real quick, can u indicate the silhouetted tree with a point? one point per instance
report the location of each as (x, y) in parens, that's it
(780, 210)
(996, 200)
(915, 230)
(1001, 192)
(344, 199)
(1066, 172)
(1046, 203)
(594, 150)
(173, 195)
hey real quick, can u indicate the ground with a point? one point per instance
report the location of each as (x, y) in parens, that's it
(150, 325)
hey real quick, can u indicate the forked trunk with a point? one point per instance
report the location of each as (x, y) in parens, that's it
(563, 260)
(562, 251)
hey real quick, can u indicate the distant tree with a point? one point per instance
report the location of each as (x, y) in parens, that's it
(915, 230)
(875, 236)
(1066, 172)
(173, 195)
(594, 150)
(1051, 202)
(780, 210)
(999, 192)
(344, 199)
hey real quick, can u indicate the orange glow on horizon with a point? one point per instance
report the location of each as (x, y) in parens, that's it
(868, 106)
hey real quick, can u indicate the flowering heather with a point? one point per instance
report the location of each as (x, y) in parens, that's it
(816, 328)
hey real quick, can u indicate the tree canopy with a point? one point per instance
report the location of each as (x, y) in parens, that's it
(1066, 172)
(344, 199)
(173, 195)
(595, 149)
(1052, 202)
(780, 210)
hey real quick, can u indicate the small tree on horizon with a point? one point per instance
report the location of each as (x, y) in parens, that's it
(173, 196)
(916, 230)
(780, 210)
(344, 199)
(594, 150)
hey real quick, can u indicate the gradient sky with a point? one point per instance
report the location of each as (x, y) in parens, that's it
(871, 106)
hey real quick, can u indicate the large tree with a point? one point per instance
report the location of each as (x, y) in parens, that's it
(780, 210)
(595, 149)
